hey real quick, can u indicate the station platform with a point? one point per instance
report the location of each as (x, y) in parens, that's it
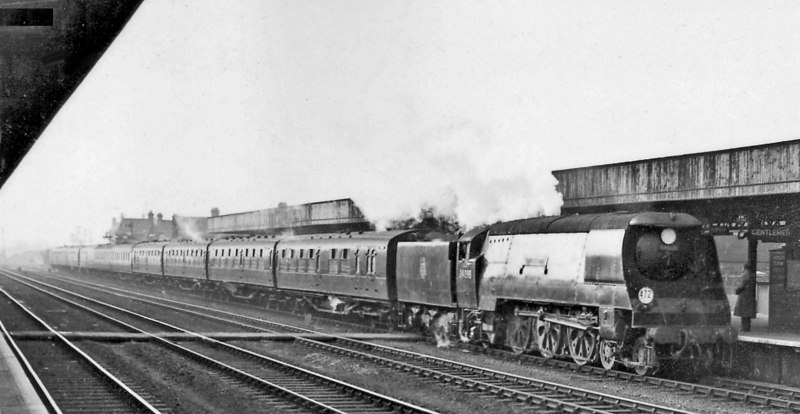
(762, 333)
(17, 394)
(767, 353)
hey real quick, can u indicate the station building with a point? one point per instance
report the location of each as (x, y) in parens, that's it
(319, 217)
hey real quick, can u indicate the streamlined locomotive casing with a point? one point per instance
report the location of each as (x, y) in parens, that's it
(354, 265)
(677, 285)
(570, 260)
(242, 260)
(148, 258)
(615, 264)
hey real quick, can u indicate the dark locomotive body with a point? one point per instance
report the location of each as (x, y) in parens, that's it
(633, 288)
(638, 289)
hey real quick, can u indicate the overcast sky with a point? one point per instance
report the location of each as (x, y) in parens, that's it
(466, 105)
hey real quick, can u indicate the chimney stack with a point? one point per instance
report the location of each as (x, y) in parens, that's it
(214, 212)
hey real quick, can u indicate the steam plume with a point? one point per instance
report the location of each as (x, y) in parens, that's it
(476, 178)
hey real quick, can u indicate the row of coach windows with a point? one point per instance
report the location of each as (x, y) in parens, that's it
(190, 253)
(339, 255)
(239, 252)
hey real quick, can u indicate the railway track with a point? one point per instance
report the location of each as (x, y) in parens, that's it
(539, 395)
(68, 379)
(267, 380)
(750, 392)
(755, 393)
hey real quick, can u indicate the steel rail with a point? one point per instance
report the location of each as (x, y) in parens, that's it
(36, 382)
(552, 403)
(749, 396)
(782, 392)
(365, 394)
(138, 402)
(756, 393)
(488, 374)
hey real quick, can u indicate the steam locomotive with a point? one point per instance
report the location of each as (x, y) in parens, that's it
(638, 289)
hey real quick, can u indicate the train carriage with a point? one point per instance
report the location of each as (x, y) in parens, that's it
(86, 257)
(185, 259)
(102, 258)
(242, 265)
(120, 258)
(113, 258)
(147, 258)
(341, 267)
(640, 289)
(65, 257)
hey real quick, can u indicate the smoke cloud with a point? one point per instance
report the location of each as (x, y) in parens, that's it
(471, 175)
(190, 227)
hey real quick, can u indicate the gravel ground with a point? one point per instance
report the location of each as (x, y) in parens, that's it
(429, 394)
(182, 385)
(624, 389)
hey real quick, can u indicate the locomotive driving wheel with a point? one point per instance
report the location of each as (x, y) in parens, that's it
(548, 338)
(582, 345)
(518, 333)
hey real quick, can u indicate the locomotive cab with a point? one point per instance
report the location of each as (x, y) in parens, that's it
(469, 267)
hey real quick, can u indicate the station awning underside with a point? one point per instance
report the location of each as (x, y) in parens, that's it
(47, 47)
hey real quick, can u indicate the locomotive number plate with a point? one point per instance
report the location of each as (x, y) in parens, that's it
(645, 295)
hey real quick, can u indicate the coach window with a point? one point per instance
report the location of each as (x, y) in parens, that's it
(302, 252)
(344, 253)
(357, 264)
(283, 253)
(333, 254)
(291, 253)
